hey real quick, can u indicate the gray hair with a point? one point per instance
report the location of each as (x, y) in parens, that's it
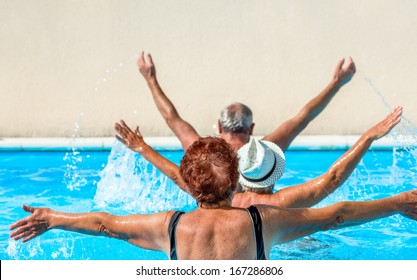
(236, 118)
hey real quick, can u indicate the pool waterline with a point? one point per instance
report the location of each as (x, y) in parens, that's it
(306, 142)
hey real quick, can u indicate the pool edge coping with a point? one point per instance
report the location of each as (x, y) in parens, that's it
(307, 142)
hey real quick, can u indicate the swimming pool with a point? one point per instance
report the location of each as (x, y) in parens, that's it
(121, 182)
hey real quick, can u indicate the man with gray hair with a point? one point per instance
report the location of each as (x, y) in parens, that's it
(235, 118)
(235, 123)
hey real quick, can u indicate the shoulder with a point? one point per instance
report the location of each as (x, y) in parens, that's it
(269, 213)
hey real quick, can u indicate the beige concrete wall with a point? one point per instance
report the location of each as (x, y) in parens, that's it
(73, 62)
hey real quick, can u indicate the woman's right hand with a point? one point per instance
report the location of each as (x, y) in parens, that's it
(32, 226)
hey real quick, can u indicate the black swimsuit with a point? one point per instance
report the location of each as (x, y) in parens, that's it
(257, 227)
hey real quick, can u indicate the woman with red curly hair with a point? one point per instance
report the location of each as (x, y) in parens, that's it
(215, 230)
(210, 171)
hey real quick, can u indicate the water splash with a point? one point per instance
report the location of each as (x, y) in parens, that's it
(405, 153)
(130, 184)
(409, 128)
(72, 178)
(378, 93)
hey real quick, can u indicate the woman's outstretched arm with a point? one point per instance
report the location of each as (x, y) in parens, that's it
(147, 231)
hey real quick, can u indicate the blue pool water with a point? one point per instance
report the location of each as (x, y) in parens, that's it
(121, 182)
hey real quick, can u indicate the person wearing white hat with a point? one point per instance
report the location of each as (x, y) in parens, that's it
(262, 163)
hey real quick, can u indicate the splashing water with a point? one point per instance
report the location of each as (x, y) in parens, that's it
(72, 178)
(129, 183)
(405, 134)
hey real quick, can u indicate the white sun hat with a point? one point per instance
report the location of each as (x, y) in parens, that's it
(261, 164)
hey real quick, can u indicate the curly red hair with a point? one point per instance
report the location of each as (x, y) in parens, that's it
(210, 170)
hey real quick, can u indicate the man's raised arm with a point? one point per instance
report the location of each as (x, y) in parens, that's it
(182, 129)
(287, 131)
(312, 192)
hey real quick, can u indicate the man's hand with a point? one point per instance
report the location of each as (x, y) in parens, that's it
(32, 226)
(131, 139)
(386, 125)
(146, 66)
(344, 71)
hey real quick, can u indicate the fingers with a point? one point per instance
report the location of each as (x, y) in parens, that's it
(20, 235)
(396, 116)
(122, 128)
(351, 65)
(28, 228)
(26, 235)
(119, 129)
(396, 113)
(150, 59)
(33, 235)
(126, 135)
(393, 118)
(137, 132)
(122, 123)
(126, 127)
(141, 60)
(28, 208)
(19, 223)
(122, 133)
(23, 222)
(120, 139)
(340, 64)
(22, 231)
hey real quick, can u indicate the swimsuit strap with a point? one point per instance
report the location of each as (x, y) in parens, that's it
(172, 234)
(257, 227)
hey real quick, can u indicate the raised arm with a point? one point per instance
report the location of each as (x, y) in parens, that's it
(287, 131)
(146, 231)
(182, 129)
(134, 141)
(312, 192)
(286, 224)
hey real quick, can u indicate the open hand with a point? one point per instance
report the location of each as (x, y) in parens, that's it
(386, 125)
(32, 226)
(131, 139)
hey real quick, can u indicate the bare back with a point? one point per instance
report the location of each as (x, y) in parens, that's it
(216, 234)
